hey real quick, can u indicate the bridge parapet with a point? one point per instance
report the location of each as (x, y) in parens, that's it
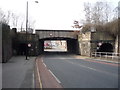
(56, 33)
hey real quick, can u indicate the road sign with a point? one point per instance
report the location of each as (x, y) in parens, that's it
(29, 45)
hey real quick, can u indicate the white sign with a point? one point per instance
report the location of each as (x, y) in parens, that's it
(29, 45)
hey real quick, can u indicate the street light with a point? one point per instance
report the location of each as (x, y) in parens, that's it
(27, 28)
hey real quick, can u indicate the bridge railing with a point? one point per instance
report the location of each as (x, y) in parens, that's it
(107, 55)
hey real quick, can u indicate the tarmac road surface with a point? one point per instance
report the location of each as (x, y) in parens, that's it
(81, 73)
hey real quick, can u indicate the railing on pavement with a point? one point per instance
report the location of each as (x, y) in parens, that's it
(106, 55)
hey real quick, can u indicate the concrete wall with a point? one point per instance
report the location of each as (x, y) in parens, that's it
(41, 46)
(6, 43)
(119, 30)
(0, 43)
(101, 36)
(73, 46)
(0, 56)
(22, 43)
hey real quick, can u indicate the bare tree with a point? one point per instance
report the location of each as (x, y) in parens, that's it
(5, 17)
(15, 19)
(21, 26)
(87, 9)
(97, 13)
(2, 16)
(31, 24)
(8, 16)
(115, 13)
(21, 22)
(106, 13)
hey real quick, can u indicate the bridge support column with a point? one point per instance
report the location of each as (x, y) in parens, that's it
(73, 46)
(41, 47)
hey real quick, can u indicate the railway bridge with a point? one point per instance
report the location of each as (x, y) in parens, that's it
(69, 36)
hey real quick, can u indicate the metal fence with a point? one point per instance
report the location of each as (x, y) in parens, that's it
(107, 55)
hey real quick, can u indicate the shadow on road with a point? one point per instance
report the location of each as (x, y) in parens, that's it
(57, 53)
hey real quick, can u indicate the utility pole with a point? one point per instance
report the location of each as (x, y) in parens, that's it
(26, 30)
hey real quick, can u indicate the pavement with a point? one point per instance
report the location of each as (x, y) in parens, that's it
(18, 73)
(0, 76)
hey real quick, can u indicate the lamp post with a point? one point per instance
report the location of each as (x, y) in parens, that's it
(27, 29)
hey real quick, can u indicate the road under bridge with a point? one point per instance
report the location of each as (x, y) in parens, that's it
(69, 36)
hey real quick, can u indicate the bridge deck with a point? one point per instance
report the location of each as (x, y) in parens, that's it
(56, 33)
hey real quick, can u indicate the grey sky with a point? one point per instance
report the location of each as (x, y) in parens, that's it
(51, 14)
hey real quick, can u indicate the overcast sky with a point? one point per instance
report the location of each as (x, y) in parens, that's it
(51, 14)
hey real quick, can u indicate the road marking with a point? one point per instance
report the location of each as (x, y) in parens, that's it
(88, 67)
(55, 76)
(97, 70)
(39, 79)
(33, 80)
(102, 62)
(91, 68)
(82, 66)
(44, 64)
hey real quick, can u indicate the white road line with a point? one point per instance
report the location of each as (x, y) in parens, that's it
(83, 66)
(97, 70)
(33, 80)
(44, 64)
(91, 68)
(55, 76)
(88, 67)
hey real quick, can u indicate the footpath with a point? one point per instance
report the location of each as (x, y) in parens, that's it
(18, 73)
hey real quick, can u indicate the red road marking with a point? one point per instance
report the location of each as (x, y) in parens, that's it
(48, 80)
